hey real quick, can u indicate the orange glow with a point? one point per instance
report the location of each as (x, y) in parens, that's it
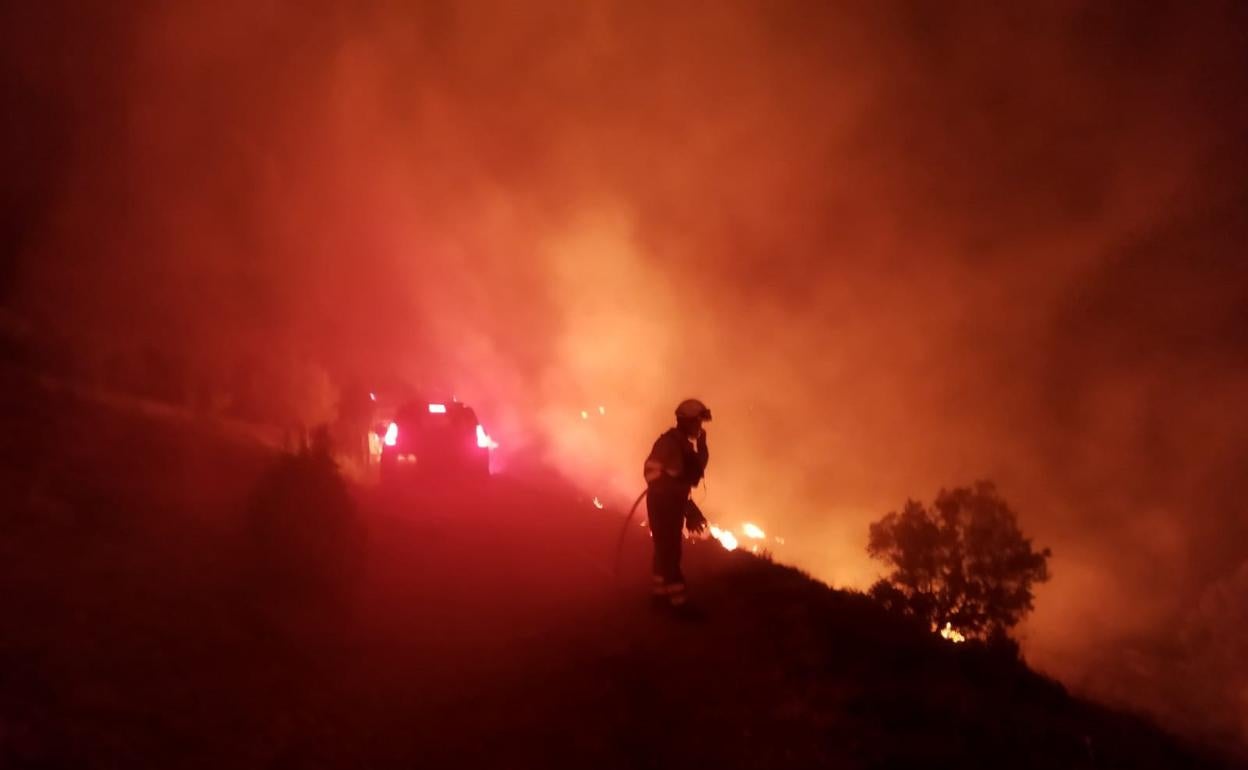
(385, 224)
(752, 531)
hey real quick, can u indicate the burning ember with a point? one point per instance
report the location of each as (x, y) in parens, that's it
(951, 633)
(725, 538)
(598, 504)
(753, 532)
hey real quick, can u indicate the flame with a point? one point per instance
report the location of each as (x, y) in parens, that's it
(725, 538)
(602, 410)
(752, 531)
(598, 504)
(584, 415)
(392, 434)
(951, 633)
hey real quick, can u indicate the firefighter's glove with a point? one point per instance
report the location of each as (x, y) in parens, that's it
(695, 522)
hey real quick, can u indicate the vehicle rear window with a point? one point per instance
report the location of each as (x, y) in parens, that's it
(417, 419)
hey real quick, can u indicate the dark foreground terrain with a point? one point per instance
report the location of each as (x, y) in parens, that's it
(174, 597)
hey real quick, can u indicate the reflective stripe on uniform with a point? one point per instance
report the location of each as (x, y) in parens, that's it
(654, 470)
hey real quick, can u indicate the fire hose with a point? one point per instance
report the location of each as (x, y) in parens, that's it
(619, 548)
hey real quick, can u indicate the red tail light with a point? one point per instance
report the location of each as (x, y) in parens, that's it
(483, 439)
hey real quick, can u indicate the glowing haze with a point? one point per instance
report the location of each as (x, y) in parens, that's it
(893, 246)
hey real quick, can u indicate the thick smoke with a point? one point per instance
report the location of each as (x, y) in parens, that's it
(894, 246)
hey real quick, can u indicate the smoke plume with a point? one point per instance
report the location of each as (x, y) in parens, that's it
(894, 246)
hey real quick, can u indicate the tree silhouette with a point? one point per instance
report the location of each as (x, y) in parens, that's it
(964, 561)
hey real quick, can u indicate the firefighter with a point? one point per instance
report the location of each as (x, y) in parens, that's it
(675, 466)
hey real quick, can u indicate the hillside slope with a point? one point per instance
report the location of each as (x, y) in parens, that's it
(151, 622)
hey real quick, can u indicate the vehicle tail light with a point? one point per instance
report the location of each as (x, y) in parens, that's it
(392, 434)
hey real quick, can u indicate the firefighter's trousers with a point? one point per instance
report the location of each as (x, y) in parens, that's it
(665, 512)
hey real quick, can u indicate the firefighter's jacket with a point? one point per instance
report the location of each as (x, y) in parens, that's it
(676, 461)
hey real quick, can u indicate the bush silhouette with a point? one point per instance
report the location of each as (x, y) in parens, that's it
(964, 561)
(305, 536)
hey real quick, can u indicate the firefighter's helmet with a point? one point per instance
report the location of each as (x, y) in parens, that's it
(693, 409)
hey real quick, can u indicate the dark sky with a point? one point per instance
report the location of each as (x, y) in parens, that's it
(895, 245)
